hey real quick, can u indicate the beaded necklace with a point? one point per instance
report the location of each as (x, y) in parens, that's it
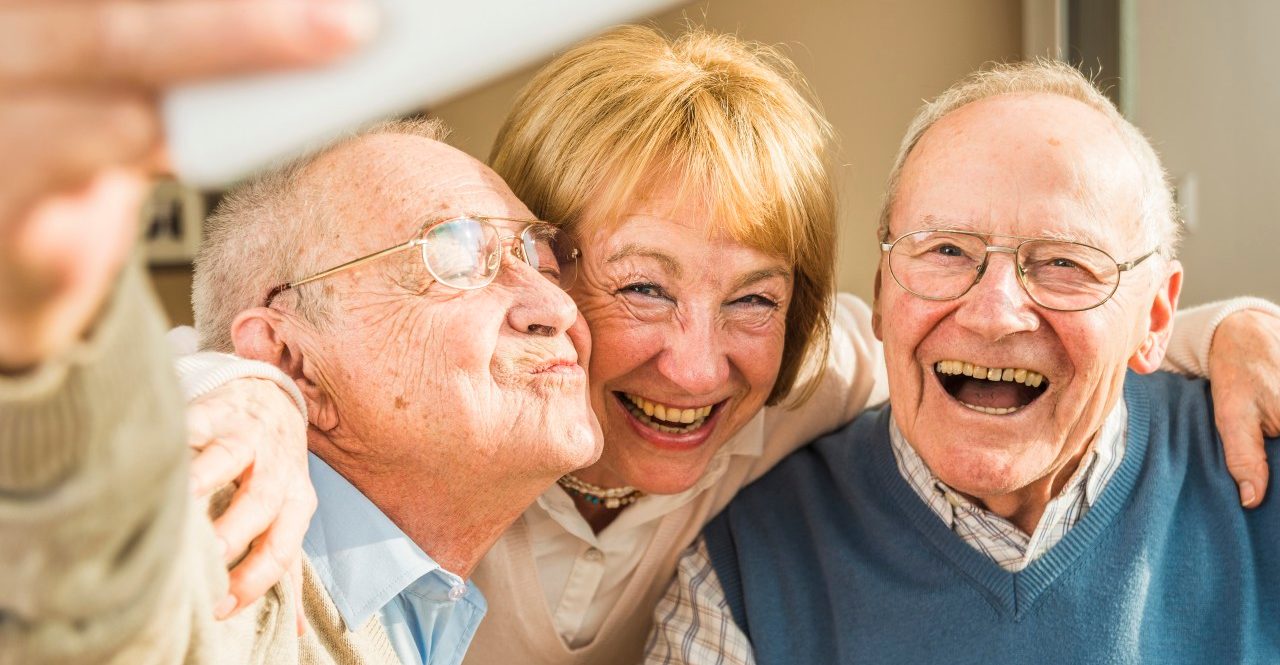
(609, 498)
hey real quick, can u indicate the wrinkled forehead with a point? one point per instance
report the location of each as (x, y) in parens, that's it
(1033, 166)
(384, 188)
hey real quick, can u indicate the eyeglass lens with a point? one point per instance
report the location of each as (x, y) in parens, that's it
(466, 253)
(1056, 274)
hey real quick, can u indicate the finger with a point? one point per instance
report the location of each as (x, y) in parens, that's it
(1246, 458)
(155, 44)
(220, 462)
(254, 508)
(60, 141)
(270, 558)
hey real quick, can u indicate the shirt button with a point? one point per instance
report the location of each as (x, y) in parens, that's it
(593, 555)
(457, 592)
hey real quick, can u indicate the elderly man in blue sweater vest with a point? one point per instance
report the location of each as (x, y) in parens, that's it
(1028, 496)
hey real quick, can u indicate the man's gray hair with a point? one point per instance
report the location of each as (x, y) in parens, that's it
(1159, 223)
(263, 235)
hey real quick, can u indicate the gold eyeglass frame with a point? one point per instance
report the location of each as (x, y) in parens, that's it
(887, 249)
(419, 239)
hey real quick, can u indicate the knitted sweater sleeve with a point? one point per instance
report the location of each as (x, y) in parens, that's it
(1193, 330)
(103, 557)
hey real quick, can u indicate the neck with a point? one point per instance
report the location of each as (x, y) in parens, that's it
(1024, 507)
(596, 515)
(439, 509)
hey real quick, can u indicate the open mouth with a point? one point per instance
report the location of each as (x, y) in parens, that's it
(996, 391)
(666, 418)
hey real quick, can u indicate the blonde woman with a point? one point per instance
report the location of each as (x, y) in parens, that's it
(694, 174)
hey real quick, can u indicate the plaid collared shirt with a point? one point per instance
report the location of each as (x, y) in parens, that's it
(997, 537)
(694, 626)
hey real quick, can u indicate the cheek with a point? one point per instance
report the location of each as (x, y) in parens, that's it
(758, 356)
(905, 324)
(440, 349)
(619, 347)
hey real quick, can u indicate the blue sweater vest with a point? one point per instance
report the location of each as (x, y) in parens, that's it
(832, 558)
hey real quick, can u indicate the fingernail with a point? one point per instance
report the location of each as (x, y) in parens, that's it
(1247, 493)
(223, 609)
(355, 19)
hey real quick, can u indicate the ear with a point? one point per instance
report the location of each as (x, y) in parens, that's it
(875, 305)
(267, 335)
(1150, 353)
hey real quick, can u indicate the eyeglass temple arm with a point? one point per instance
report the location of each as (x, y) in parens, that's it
(345, 266)
(1130, 265)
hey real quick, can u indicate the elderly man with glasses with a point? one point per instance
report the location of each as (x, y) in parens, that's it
(1028, 495)
(440, 361)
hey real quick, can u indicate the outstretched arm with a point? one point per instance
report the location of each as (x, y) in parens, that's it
(92, 468)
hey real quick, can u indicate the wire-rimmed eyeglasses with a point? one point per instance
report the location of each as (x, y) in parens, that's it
(943, 264)
(465, 252)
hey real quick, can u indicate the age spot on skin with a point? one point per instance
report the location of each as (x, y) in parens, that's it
(400, 402)
(1054, 142)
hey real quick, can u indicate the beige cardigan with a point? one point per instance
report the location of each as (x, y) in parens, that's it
(103, 557)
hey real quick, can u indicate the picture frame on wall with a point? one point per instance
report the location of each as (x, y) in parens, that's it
(172, 221)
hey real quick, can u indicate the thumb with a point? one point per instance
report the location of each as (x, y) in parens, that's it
(1246, 459)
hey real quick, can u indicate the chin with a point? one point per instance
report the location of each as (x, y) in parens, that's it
(984, 470)
(577, 446)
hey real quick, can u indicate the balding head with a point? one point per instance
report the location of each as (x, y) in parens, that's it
(1156, 214)
(358, 195)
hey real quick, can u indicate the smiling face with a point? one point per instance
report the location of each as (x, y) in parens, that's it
(687, 331)
(483, 383)
(998, 395)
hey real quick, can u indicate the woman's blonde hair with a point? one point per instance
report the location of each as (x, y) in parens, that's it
(732, 120)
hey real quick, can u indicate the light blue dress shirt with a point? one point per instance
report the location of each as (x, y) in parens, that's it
(369, 566)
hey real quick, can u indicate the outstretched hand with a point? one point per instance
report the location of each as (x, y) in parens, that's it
(79, 133)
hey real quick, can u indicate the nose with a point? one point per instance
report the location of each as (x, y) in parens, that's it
(695, 358)
(997, 305)
(540, 307)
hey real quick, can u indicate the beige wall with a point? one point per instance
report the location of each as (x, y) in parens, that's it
(1208, 93)
(871, 63)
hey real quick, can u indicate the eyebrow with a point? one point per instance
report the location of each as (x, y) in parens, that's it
(963, 224)
(761, 275)
(632, 250)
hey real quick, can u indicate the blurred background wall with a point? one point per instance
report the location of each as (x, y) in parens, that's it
(1198, 77)
(1205, 86)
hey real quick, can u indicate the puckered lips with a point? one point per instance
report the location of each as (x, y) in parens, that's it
(666, 425)
(995, 391)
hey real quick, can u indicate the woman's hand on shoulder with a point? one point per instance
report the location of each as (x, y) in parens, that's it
(250, 435)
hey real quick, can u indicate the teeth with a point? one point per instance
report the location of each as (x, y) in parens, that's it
(648, 412)
(995, 411)
(1012, 374)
